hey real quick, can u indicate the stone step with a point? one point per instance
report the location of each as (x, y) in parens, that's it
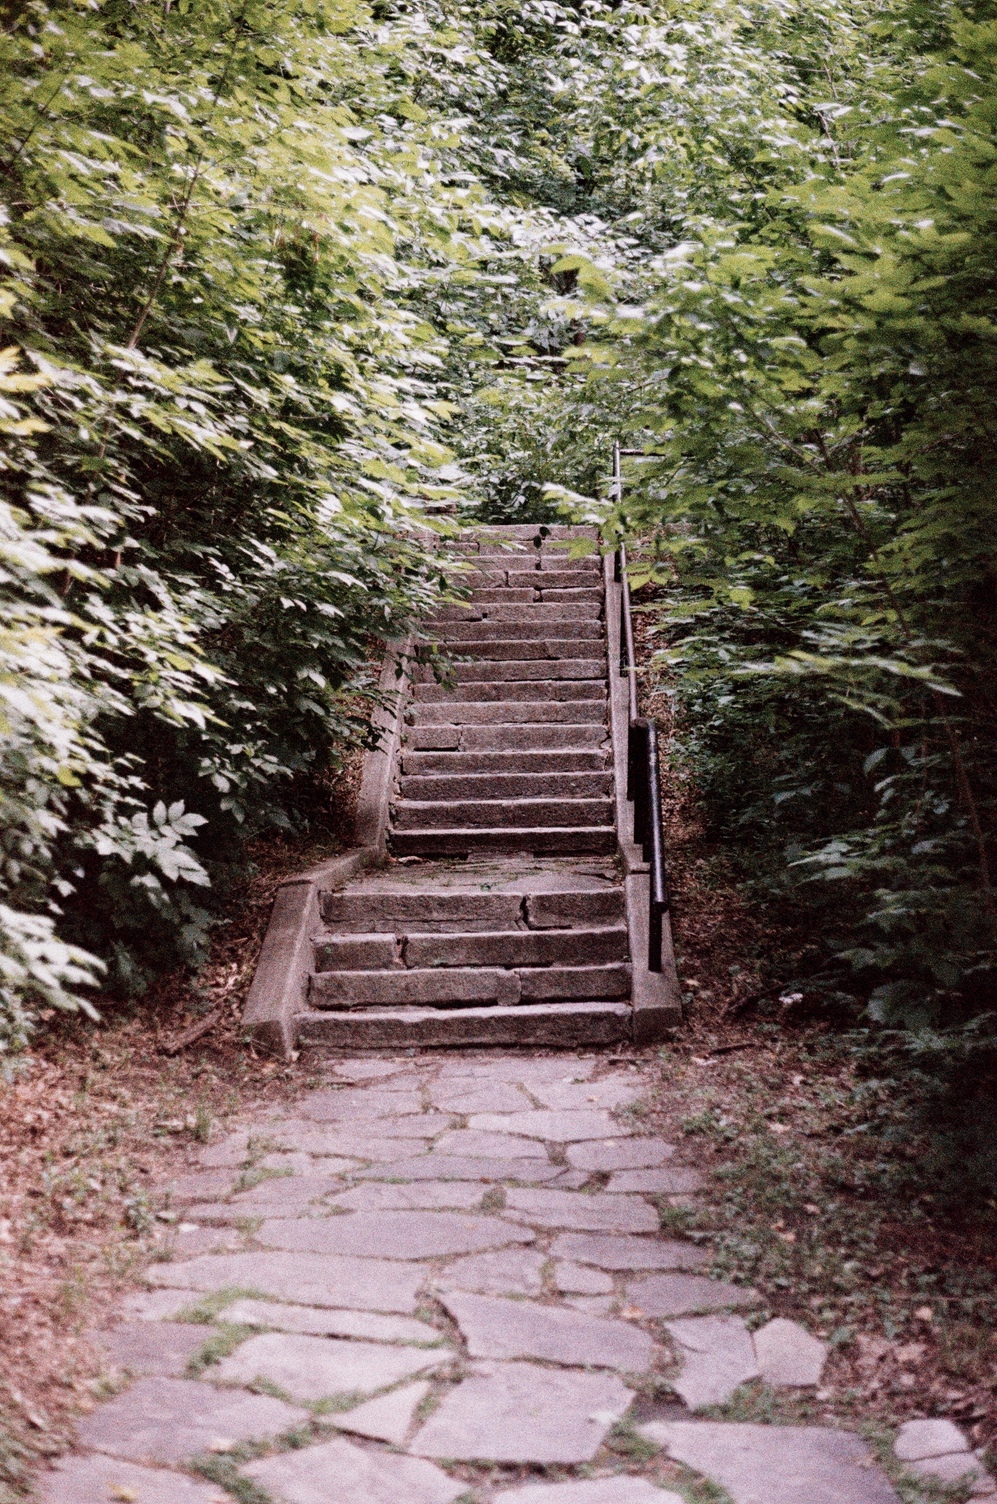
(495, 814)
(511, 689)
(519, 612)
(451, 986)
(530, 736)
(471, 712)
(545, 841)
(484, 594)
(552, 579)
(558, 1025)
(522, 632)
(556, 649)
(507, 595)
(575, 670)
(587, 760)
(508, 786)
(414, 950)
(400, 908)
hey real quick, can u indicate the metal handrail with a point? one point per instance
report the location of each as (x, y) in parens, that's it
(643, 773)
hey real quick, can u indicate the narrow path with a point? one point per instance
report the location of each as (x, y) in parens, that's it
(443, 1279)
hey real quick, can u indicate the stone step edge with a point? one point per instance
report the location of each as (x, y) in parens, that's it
(550, 1025)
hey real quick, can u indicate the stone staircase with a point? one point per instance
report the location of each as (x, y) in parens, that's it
(502, 917)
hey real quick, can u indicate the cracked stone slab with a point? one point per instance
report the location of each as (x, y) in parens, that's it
(789, 1357)
(627, 1252)
(610, 1092)
(318, 1368)
(157, 1305)
(309, 1138)
(313, 1322)
(337, 1472)
(401, 1235)
(422, 1195)
(438, 1166)
(202, 1185)
(85, 1480)
(389, 1417)
(593, 1213)
(718, 1356)
(344, 1104)
(470, 1142)
(496, 1328)
(172, 1420)
(619, 1490)
(281, 1196)
(467, 1096)
(666, 1181)
(687, 1295)
(556, 1126)
(153, 1347)
(576, 1279)
(621, 1154)
(510, 1271)
(516, 1412)
(308, 1278)
(776, 1464)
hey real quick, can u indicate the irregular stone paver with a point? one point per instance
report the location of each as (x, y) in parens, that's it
(367, 1070)
(418, 1125)
(618, 1490)
(467, 1141)
(496, 1328)
(229, 1151)
(387, 1418)
(87, 1480)
(160, 1347)
(516, 1412)
(466, 1097)
(610, 1091)
(309, 1138)
(686, 1295)
(314, 1322)
(189, 1240)
(402, 1235)
(308, 1278)
(157, 1305)
(788, 1356)
(423, 1195)
(511, 1271)
(317, 1368)
(344, 1104)
(519, 1069)
(281, 1196)
(596, 1213)
(592, 1305)
(918, 1439)
(172, 1420)
(627, 1253)
(460, 1167)
(776, 1464)
(675, 1181)
(340, 1473)
(202, 1185)
(957, 1467)
(556, 1126)
(624, 1154)
(296, 1162)
(717, 1357)
(576, 1279)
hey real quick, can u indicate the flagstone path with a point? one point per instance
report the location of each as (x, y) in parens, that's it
(441, 1280)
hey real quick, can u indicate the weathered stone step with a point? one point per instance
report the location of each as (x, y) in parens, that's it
(519, 612)
(530, 736)
(552, 579)
(551, 761)
(580, 670)
(418, 814)
(562, 1025)
(470, 712)
(511, 689)
(508, 786)
(506, 595)
(522, 632)
(401, 908)
(558, 649)
(545, 841)
(451, 986)
(471, 948)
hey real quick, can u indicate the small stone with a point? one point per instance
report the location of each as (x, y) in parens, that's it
(147, 1347)
(337, 1472)
(623, 1154)
(465, 1141)
(575, 1279)
(618, 1490)
(389, 1417)
(511, 1271)
(555, 1208)
(686, 1295)
(437, 1166)
(718, 1357)
(405, 1235)
(422, 1195)
(560, 1127)
(776, 1464)
(318, 1368)
(308, 1278)
(516, 1412)
(788, 1356)
(928, 1438)
(520, 1329)
(172, 1420)
(85, 1480)
(311, 1321)
(661, 1182)
(627, 1253)
(157, 1305)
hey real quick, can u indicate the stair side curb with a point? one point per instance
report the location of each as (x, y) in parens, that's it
(280, 982)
